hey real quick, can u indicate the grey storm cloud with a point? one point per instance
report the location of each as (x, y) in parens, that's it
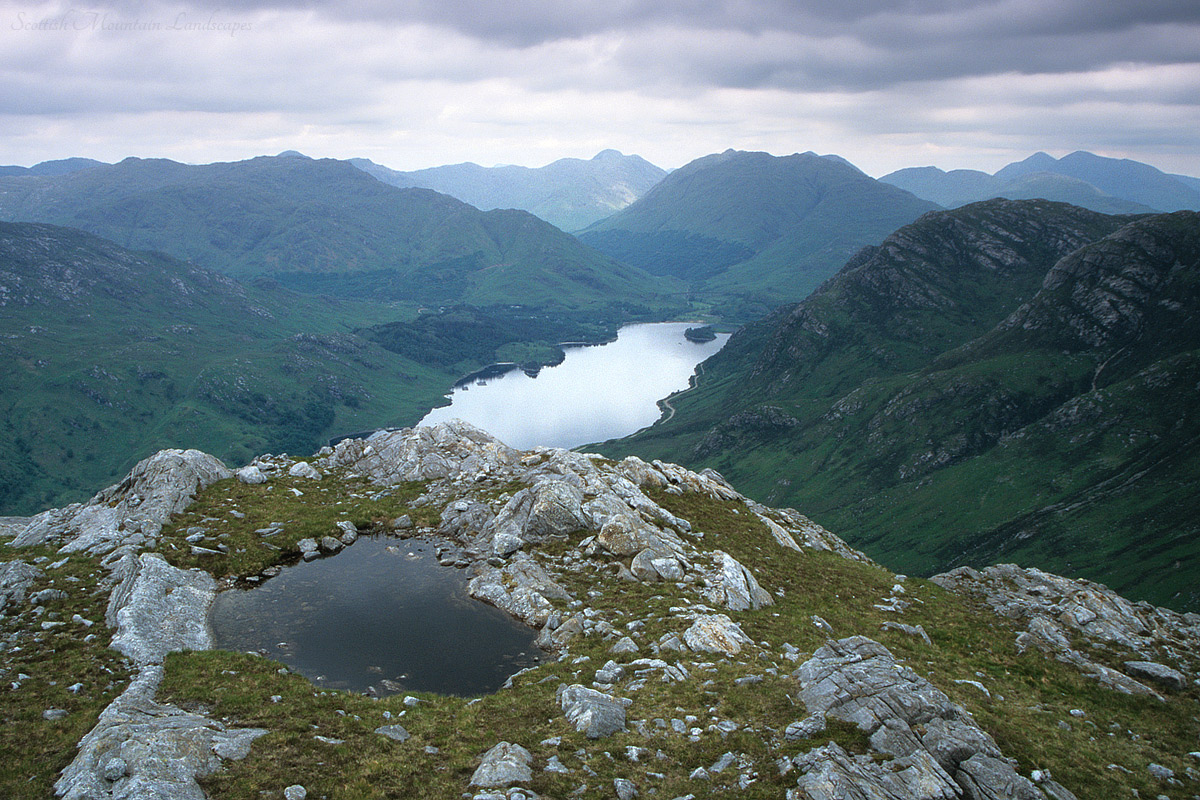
(421, 76)
(807, 44)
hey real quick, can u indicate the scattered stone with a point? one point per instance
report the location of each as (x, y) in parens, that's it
(625, 788)
(624, 645)
(1160, 772)
(411, 701)
(349, 531)
(295, 792)
(396, 733)
(504, 765)
(402, 523)
(54, 714)
(330, 544)
(309, 549)
(554, 764)
(911, 630)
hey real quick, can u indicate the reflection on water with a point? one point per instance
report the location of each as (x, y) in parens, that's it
(379, 617)
(597, 393)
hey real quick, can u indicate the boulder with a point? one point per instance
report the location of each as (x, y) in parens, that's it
(734, 586)
(302, 469)
(1161, 674)
(593, 713)
(655, 565)
(251, 474)
(504, 765)
(716, 633)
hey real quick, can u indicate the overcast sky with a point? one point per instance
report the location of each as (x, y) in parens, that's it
(417, 83)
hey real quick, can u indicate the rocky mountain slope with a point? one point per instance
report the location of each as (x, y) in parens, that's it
(99, 344)
(570, 193)
(1108, 185)
(1037, 359)
(755, 226)
(325, 226)
(697, 644)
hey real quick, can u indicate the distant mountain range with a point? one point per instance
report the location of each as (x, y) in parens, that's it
(570, 193)
(325, 226)
(108, 355)
(753, 226)
(59, 167)
(1108, 185)
(1011, 380)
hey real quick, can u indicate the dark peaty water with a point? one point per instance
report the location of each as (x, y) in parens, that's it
(382, 616)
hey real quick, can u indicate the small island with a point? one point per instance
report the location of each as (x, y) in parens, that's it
(700, 335)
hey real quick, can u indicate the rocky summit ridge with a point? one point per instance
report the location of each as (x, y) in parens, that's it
(698, 644)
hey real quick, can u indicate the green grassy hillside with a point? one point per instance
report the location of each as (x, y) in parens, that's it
(755, 228)
(938, 408)
(324, 226)
(108, 355)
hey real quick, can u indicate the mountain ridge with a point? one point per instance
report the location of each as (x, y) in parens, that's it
(326, 226)
(879, 419)
(569, 193)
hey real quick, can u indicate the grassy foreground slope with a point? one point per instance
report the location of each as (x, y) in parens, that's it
(708, 720)
(108, 355)
(938, 408)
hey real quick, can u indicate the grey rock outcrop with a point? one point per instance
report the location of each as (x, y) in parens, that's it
(15, 579)
(130, 513)
(140, 748)
(164, 749)
(522, 587)
(938, 750)
(1053, 608)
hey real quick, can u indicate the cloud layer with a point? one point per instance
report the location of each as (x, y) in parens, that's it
(885, 83)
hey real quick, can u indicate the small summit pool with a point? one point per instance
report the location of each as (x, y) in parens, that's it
(380, 617)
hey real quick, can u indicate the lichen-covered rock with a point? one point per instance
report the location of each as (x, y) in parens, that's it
(734, 586)
(302, 469)
(522, 587)
(938, 749)
(548, 508)
(251, 475)
(503, 765)
(15, 579)
(132, 512)
(1161, 674)
(594, 714)
(656, 565)
(166, 610)
(716, 633)
(830, 773)
(447, 449)
(163, 749)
